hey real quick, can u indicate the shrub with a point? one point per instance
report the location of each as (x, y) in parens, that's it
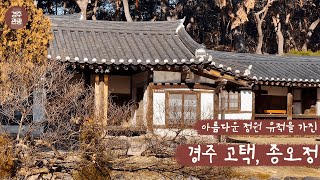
(92, 171)
(94, 160)
(304, 53)
(6, 157)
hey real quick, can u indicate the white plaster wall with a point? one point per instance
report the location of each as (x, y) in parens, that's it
(38, 107)
(246, 100)
(207, 105)
(166, 77)
(297, 108)
(159, 108)
(145, 107)
(318, 102)
(200, 79)
(276, 91)
(247, 116)
(173, 132)
(134, 118)
(144, 111)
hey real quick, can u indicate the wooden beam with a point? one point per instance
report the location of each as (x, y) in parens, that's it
(181, 85)
(289, 103)
(221, 85)
(227, 77)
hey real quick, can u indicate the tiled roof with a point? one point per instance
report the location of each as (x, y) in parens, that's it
(272, 67)
(107, 42)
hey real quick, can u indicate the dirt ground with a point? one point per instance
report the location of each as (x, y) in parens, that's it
(263, 172)
(159, 168)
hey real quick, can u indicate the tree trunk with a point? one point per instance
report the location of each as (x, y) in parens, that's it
(84, 13)
(280, 40)
(64, 7)
(277, 28)
(127, 10)
(223, 27)
(260, 20)
(20, 127)
(310, 32)
(239, 41)
(116, 14)
(260, 37)
(83, 6)
(95, 8)
(289, 28)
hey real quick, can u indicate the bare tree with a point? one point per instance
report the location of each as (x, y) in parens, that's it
(45, 107)
(260, 16)
(83, 4)
(95, 8)
(277, 28)
(127, 10)
(312, 27)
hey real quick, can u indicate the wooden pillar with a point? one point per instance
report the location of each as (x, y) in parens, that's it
(221, 108)
(150, 108)
(253, 105)
(289, 103)
(101, 83)
(97, 96)
(223, 104)
(216, 105)
(222, 138)
(105, 99)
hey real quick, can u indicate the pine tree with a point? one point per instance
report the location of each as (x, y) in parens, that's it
(24, 48)
(28, 44)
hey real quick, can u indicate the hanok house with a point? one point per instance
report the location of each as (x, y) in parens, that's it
(175, 81)
(285, 87)
(157, 65)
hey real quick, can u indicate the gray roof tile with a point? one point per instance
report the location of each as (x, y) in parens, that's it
(162, 41)
(271, 66)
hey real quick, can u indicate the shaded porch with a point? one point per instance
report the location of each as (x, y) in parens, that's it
(286, 102)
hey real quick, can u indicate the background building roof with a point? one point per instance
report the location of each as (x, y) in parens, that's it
(272, 67)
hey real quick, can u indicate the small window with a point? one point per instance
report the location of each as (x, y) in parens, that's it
(231, 101)
(183, 109)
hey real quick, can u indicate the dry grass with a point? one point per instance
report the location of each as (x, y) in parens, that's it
(6, 157)
(277, 139)
(92, 171)
(247, 175)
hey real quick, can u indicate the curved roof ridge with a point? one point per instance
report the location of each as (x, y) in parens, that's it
(188, 41)
(63, 22)
(103, 42)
